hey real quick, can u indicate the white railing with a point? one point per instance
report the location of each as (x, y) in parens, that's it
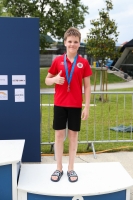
(115, 111)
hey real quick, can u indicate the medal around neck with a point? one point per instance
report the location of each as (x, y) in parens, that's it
(69, 78)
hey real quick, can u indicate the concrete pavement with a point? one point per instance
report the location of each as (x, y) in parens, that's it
(110, 86)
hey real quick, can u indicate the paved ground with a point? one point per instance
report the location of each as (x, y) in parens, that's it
(110, 86)
(125, 158)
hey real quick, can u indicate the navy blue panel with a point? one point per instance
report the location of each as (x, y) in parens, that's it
(19, 55)
(6, 182)
(43, 197)
(112, 196)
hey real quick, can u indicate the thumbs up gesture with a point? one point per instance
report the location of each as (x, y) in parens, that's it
(58, 79)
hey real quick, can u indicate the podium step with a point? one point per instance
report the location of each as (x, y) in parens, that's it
(10, 161)
(97, 181)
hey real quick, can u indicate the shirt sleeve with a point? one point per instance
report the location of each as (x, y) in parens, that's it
(87, 69)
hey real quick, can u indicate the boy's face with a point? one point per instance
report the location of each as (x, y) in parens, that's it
(72, 44)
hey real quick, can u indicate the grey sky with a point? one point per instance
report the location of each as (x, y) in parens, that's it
(122, 13)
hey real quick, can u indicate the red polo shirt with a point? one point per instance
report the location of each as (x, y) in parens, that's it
(73, 98)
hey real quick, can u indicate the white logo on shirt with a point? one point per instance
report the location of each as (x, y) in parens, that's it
(79, 65)
(62, 63)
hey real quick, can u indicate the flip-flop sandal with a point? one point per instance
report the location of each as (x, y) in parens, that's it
(72, 174)
(58, 174)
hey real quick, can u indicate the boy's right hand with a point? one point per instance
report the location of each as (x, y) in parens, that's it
(58, 79)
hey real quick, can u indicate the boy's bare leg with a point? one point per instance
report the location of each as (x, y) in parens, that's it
(73, 138)
(59, 138)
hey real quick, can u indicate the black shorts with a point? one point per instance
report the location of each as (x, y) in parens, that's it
(64, 114)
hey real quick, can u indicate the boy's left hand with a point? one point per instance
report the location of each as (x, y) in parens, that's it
(85, 114)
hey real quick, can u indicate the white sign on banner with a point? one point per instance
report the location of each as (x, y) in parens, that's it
(18, 80)
(19, 95)
(3, 95)
(3, 80)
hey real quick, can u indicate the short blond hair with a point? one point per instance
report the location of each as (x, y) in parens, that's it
(72, 32)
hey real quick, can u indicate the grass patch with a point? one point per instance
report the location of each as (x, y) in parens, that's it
(111, 78)
(96, 128)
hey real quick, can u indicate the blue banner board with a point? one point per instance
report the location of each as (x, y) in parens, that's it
(20, 84)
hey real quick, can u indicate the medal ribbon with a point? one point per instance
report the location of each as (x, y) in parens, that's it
(69, 78)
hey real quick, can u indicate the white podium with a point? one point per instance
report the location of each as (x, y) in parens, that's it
(10, 160)
(97, 181)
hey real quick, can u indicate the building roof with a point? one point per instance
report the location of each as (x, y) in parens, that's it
(128, 44)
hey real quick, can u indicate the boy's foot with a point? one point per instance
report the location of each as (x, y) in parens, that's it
(56, 176)
(72, 176)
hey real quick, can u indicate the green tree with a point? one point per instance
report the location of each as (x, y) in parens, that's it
(3, 10)
(1, 7)
(55, 17)
(102, 38)
(101, 41)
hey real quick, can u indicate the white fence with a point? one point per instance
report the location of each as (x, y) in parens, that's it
(110, 120)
